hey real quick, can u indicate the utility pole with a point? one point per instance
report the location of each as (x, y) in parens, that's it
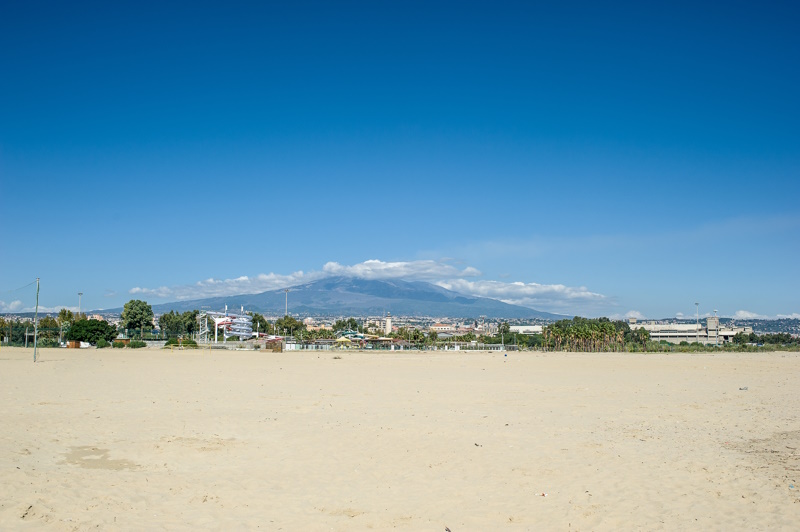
(79, 305)
(36, 322)
(287, 302)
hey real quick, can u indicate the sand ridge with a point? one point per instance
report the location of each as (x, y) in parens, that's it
(151, 439)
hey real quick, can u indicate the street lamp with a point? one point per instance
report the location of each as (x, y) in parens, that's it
(79, 304)
(697, 323)
(287, 302)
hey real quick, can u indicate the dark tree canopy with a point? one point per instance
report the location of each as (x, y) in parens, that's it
(65, 317)
(48, 322)
(289, 324)
(174, 323)
(91, 331)
(261, 324)
(350, 324)
(137, 314)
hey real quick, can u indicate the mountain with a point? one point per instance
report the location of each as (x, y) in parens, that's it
(343, 296)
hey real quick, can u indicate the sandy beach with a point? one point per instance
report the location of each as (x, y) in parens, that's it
(159, 440)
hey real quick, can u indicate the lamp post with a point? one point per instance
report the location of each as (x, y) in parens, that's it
(287, 302)
(716, 333)
(697, 323)
(79, 305)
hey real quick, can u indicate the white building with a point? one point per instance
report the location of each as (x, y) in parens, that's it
(526, 329)
(712, 334)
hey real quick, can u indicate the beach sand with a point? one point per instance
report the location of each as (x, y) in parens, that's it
(158, 440)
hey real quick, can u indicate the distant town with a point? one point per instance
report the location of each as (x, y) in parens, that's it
(296, 331)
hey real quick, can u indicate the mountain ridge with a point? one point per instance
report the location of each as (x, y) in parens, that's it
(336, 296)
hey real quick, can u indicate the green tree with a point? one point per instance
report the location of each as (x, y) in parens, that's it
(137, 314)
(48, 322)
(91, 331)
(289, 324)
(741, 338)
(189, 319)
(65, 317)
(641, 336)
(350, 324)
(260, 324)
(504, 328)
(432, 337)
(171, 323)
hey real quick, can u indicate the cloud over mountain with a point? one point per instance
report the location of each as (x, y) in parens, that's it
(423, 270)
(441, 273)
(535, 295)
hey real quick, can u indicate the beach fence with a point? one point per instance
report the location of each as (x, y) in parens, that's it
(20, 334)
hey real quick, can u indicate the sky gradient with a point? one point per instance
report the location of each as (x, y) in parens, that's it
(623, 159)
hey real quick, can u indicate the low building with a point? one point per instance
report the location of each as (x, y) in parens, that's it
(442, 328)
(712, 334)
(526, 329)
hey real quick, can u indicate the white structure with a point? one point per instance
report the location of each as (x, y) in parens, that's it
(526, 329)
(239, 325)
(675, 333)
(387, 330)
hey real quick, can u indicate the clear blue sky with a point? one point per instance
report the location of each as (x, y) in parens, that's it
(581, 158)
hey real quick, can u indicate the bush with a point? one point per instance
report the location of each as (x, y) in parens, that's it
(48, 342)
(186, 342)
(102, 343)
(118, 344)
(136, 344)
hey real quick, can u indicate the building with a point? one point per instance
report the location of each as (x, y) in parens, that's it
(442, 328)
(712, 334)
(387, 330)
(526, 329)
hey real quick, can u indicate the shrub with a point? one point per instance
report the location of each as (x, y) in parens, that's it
(186, 342)
(118, 344)
(102, 343)
(136, 344)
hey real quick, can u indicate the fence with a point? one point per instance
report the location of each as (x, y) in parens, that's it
(21, 334)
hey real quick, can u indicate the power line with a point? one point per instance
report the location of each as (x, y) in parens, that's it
(20, 288)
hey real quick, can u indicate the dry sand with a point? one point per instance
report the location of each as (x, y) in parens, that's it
(159, 440)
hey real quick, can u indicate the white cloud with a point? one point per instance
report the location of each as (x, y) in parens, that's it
(17, 306)
(555, 297)
(225, 287)
(792, 316)
(534, 295)
(14, 306)
(418, 269)
(53, 310)
(746, 315)
(634, 314)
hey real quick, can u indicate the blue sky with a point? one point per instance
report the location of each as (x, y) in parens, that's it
(616, 159)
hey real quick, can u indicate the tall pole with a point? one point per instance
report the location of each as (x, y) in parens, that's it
(79, 305)
(697, 323)
(286, 313)
(36, 322)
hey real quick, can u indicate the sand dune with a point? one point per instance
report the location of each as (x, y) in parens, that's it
(151, 440)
